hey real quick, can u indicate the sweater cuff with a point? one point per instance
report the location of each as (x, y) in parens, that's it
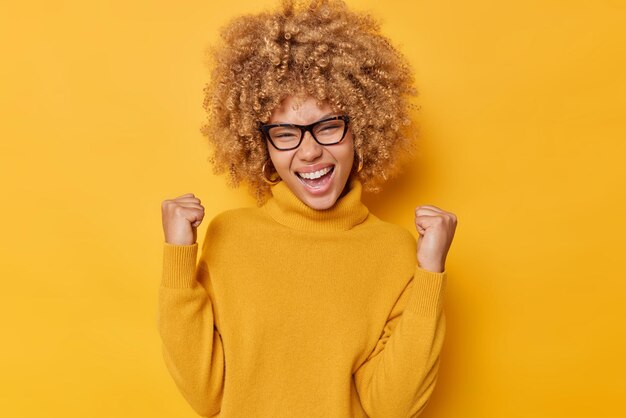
(179, 265)
(427, 295)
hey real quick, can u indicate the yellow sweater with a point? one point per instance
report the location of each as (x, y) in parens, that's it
(295, 312)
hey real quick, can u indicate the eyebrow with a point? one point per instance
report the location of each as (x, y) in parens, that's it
(321, 117)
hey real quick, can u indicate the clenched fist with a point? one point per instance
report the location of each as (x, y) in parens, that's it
(181, 216)
(436, 228)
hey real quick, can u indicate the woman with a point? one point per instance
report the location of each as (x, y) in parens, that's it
(306, 305)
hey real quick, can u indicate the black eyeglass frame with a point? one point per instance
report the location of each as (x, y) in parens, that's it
(265, 129)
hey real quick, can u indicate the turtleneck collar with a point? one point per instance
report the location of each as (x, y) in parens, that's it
(286, 208)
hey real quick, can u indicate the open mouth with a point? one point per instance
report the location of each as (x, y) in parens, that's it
(317, 180)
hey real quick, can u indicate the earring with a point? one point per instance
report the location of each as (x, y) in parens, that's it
(264, 176)
(360, 158)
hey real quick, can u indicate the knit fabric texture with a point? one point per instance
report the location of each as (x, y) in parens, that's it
(295, 312)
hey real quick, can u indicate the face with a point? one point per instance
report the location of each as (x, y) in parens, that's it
(310, 156)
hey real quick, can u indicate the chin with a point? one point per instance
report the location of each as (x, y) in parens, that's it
(321, 199)
(321, 203)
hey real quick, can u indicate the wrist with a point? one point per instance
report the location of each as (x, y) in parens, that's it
(431, 266)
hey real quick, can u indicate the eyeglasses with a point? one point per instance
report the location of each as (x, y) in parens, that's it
(288, 136)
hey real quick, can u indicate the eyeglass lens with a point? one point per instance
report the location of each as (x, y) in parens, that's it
(328, 132)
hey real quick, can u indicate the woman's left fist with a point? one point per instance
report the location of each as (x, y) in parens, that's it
(436, 228)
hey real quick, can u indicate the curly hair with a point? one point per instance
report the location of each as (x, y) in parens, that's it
(319, 48)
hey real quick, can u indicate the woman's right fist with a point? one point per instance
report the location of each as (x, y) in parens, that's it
(181, 216)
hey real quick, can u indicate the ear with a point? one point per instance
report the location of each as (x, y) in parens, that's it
(357, 164)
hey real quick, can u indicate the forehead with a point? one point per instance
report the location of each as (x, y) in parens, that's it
(300, 109)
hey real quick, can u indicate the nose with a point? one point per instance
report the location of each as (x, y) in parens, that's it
(309, 149)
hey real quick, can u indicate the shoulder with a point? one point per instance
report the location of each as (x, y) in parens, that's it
(389, 235)
(392, 248)
(233, 224)
(234, 218)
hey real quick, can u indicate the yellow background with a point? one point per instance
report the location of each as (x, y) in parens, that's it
(523, 135)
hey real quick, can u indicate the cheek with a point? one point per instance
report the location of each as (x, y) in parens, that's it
(273, 154)
(281, 160)
(346, 157)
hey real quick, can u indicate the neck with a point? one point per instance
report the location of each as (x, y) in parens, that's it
(348, 211)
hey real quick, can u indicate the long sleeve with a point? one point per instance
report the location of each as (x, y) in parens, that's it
(399, 376)
(191, 343)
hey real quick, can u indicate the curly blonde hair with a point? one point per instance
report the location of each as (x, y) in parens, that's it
(320, 48)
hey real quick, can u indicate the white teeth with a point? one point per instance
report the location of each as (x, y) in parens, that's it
(316, 174)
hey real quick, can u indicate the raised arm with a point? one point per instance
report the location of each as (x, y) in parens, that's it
(398, 377)
(191, 343)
